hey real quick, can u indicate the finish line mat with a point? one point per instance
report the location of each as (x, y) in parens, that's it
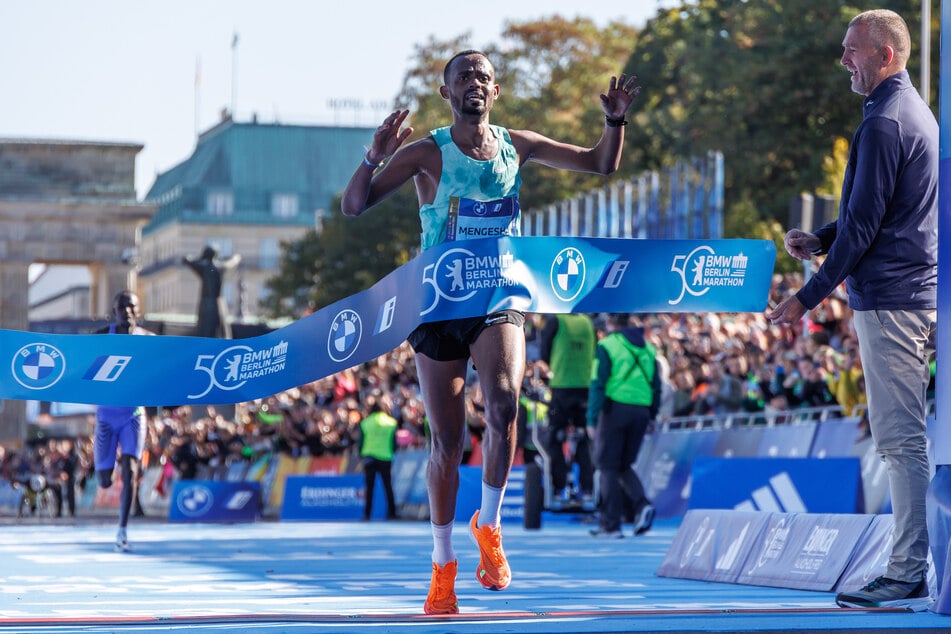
(384, 619)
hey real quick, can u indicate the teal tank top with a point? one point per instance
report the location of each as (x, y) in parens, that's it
(474, 199)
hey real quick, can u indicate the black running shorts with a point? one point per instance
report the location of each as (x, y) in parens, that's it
(449, 340)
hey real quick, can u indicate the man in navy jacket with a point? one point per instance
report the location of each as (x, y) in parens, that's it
(884, 245)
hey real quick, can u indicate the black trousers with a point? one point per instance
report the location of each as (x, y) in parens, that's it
(620, 432)
(372, 467)
(569, 408)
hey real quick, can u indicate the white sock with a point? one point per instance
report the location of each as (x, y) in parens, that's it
(491, 511)
(442, 544)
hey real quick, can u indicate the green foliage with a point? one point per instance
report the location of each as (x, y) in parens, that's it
(762, 82)
(347, 255)
(551, 73)
(758, 80)
(738, 223)
(748, 79)
(745, 222)
(833, 169)
(358, 252)
(290, 289)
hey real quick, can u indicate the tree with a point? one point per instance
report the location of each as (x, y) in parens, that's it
(552, 72)
(345, 256)
(291, 289)
(760, 81)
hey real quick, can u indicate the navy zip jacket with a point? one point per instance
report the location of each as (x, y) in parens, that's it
(885, 241)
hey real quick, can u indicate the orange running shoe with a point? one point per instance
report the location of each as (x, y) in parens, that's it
(493, 571)
(442, 590)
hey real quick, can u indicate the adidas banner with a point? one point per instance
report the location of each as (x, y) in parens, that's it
(453, 280)
(789, 485)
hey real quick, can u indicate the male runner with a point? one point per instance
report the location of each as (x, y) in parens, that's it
(121, 427)
(472, 160)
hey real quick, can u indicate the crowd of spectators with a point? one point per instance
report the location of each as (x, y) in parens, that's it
(715, 364)
(729, 363)
(63, 464)
(317, 419)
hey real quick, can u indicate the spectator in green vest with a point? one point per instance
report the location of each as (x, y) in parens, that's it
(567, 346)
(377, 445)
(622, 401)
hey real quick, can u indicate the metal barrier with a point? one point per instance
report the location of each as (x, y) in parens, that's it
(684, 201)
(740, 419)
(769, 419)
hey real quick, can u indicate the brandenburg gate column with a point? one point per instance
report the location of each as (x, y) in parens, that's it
(14, 301)
(62, 203)
(106, 281)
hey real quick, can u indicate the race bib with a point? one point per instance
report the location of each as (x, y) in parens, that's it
(470, 219)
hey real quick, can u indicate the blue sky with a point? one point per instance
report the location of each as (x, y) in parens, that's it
(124, 70)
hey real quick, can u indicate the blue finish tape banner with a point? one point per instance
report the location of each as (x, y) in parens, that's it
(454, 280)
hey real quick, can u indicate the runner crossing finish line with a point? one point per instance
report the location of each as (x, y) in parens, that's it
(450, 281)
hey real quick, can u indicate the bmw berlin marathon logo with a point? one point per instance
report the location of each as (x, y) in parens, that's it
(38, 366)
(459, 274)
(703, 269)
(235, 366)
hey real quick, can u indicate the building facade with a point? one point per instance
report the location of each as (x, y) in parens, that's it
(65, 203)
(245, 189)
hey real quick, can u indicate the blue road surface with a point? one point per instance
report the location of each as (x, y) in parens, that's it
(373, 577)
